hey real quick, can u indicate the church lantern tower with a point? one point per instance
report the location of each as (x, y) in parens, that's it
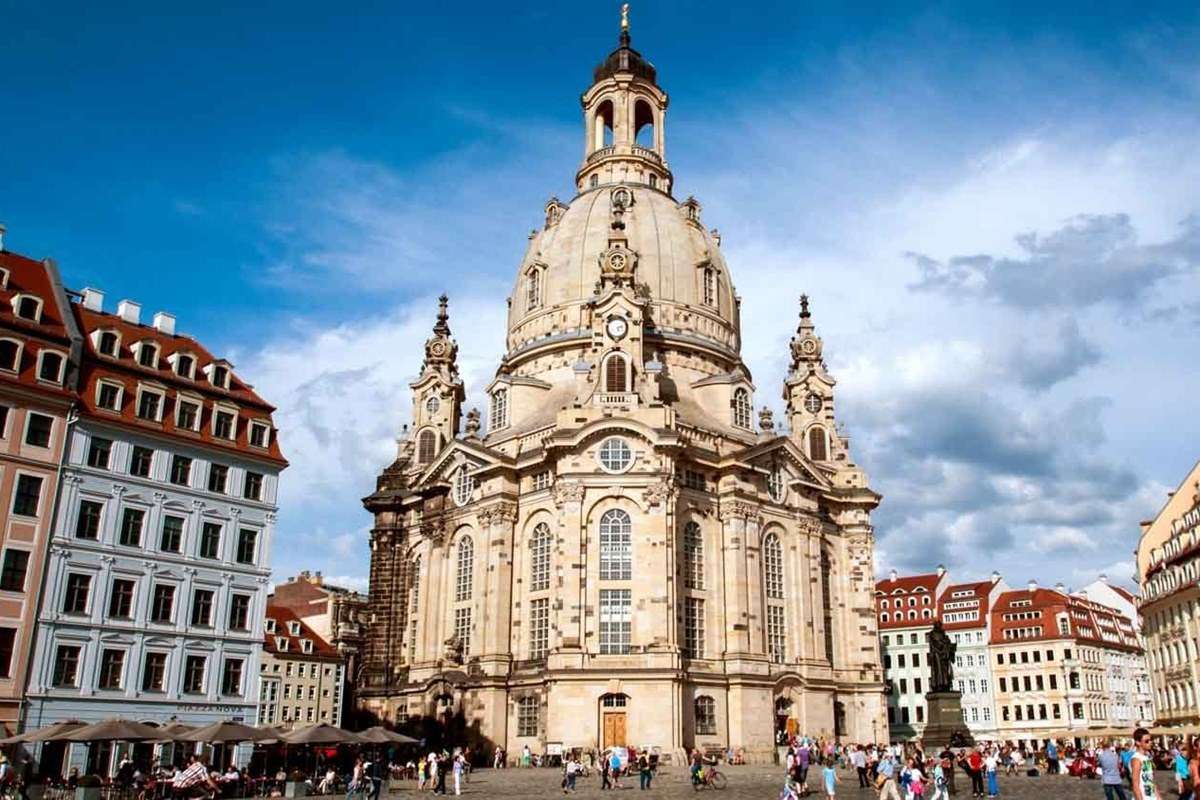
(437, 394)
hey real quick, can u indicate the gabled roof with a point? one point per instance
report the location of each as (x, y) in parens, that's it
(321, 649)
(906, 584)
(474, 449)
(784, 445)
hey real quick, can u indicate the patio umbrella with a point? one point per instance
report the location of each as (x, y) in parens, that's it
(44, 734)
(174, 732)
(220, 732)
(111, 730)
(269, 734)
(321, 733)
(381, 735)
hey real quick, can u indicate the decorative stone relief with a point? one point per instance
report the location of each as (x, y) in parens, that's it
(568, 492)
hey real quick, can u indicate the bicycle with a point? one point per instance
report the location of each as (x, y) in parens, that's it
(712, 778)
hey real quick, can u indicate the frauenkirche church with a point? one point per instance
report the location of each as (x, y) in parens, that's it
(626, 553)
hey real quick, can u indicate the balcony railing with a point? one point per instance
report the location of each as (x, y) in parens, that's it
(646, 152)
(601, 153)
(616, 398)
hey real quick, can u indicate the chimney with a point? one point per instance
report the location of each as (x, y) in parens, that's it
(1103, 578)
(2, 231)
(941, 570)
(1032, 585)
(164, 323)
(1058, 587)
(995, 577)
(129, 311)
(892, 576)
(92, 299)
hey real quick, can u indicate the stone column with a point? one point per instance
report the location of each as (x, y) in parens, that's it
(495, 556)
(570, 558)
(733, 557)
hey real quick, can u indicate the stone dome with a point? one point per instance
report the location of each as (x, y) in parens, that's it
(678, 265)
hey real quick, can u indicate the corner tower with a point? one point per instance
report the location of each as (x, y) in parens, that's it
(624, 113)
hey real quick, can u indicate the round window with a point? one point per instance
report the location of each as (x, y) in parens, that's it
(777, 485)
(615, 455)
(432, 404)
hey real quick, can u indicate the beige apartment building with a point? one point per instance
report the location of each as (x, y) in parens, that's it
(302, 677)
(1168, 562)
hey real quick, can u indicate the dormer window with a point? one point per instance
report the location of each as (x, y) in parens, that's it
(306, 645)
(499, 415)
(281, 644)
(150, 403)
(270, 625)
(26, 306)
(293, 627)
(219, 376)
(183, 364)
(109, 394)
(10, 355)
(50, 366)
(224, 423)
(742, 409)
(108, 343)
(147, 354)
(533, 288)
(3, 278)
(708, 286)
(260, 434)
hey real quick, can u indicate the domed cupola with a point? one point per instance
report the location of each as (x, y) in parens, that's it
(624, 112)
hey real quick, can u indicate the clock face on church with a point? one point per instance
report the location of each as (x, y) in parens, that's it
(617, 327)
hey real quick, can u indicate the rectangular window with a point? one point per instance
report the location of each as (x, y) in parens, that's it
(776, 636)
(202, 607)
(193, 674)
(920, 713)
(98, 452)
(917, 685)
(181, 470)
(259, 434)
(223, 425)
(541, 480)
(616, 628)
(4, 421)
(131, 527)
(75, 600)
(163, 607)
(247, 539)
(149, 404)
(87, 524)
(527, 716)
(253, 488)
(412, 641)
(1053, 681)
(120, 601)
(109, 397)
(8, 637)
(188, 416)
(231, 679)
(693, 627)
(139, 464)
(66, 665)
(12, 574)
(616, 551)
(112, 667)
(154, 672)
(28, 496)
(37, 430)
(210, 540)
(239, 612)
(218, 474)
(539, 628)
(171, 540)
(462, 628)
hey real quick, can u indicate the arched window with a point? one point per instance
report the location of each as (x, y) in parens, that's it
(499, 409)
(706, 716)
(817, 449)
(616, 546)
(10, 355)
(883, 617)
(464, 485)
(773, 567)
(533, 290)
(742, 411)
(883, 603)
(927, 614)
(603, 123)
(50, 368)
(426, 446)
(465, 569)
(616, 374)
(643, 125)
(693, 556)
(708, 279)
(594, 181)
(539, 558)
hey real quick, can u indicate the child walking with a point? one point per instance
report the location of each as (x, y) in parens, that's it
(830, 778)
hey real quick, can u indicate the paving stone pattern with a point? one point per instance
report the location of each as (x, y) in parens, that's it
(760, 783)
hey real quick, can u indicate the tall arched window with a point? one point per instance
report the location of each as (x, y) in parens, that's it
(616, 374)
(539, 558)
(706, 716)
(464, 485)
(616, 546)
(603, 125)
(693, 556)
(817, 449)
(742, 410)
(499, 409)
(426, 446)
(465, 569)
(414, 584)
(533, 290)
(708, 279)
(827, 601)
(772, 560)
(643, 125)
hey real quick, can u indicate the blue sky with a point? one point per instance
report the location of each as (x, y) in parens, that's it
(989, 203)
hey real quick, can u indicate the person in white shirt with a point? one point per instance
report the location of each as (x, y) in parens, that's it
(990, 763)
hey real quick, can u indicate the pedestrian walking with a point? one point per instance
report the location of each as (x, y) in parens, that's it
(644, 775)
(1141, 767)
(1110, 771)
(990, 763)
(614, 763)
(885, 781)
(459, 764)
(605, 773)
(858, 758)
(829, 779)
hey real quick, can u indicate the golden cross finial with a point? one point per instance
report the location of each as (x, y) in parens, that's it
(625, 17)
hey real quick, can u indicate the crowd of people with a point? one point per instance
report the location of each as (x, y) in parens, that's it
(908, 772)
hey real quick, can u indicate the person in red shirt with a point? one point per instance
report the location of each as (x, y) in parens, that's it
(974, 767)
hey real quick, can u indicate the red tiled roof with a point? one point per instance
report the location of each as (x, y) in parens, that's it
(979, 591)
(126, 370)
(1086, 620)
(321, 649)
(903, 587)
(908, 583)
(30, 277)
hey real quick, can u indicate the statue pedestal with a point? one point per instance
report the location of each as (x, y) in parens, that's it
(944, 724)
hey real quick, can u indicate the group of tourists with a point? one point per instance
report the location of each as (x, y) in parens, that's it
(432, 770)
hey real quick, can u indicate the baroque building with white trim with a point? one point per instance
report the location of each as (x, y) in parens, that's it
(630, 554)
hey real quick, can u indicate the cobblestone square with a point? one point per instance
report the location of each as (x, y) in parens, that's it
(757, 782)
